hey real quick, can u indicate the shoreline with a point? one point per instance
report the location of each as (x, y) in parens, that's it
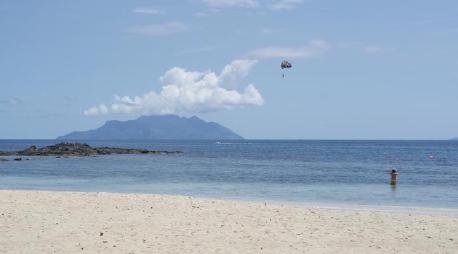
(441, 211)
(101, 222)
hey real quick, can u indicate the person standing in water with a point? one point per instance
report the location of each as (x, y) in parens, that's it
(394, 174)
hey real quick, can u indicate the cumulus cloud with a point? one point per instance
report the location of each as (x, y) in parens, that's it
(186, 91)
(148, 11)
(312, 49)
(373, 49)
(159, 29)
(232, 3)
(286, 5)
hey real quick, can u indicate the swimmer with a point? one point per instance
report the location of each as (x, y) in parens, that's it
(394, 174)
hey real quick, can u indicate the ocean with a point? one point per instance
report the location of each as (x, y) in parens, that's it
(312, 172)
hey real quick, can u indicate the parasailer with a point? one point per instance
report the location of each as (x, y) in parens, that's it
(285, 65)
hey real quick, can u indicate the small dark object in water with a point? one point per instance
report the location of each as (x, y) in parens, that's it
(18, 159)
(1, 159)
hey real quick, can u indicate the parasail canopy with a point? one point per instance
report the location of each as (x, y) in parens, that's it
(286, 64)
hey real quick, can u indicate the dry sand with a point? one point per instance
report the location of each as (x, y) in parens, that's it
(69, 222)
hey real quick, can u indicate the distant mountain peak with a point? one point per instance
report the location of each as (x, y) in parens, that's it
(156, 127)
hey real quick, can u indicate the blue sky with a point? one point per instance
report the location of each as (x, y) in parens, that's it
(361, 69)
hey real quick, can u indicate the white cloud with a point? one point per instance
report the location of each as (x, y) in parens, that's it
(209, 12)
(232, 3)
(269, 31)
(11, 102)
(314, 48)
(148, 11)
(189, 92)
(97, 110)
(236, 71)
(200, 14)
(197, 50)
(373, 49)
(159, 29)
(286, 5)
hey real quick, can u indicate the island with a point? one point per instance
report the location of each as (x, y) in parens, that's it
(77, 149)
(156, 127)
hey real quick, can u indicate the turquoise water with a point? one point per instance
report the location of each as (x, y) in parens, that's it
(330, 172)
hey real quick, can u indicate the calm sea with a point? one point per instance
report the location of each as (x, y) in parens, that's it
(324, 172)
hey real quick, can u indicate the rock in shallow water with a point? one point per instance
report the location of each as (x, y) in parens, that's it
(77, 149)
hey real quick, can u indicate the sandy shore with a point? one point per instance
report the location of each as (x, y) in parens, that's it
(68, 222)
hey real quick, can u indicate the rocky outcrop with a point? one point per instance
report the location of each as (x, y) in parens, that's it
(77, 149)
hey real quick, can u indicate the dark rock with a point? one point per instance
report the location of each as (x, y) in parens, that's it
(77, 149)
(30, 149)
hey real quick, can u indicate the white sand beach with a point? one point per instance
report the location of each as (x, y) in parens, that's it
(70, 222)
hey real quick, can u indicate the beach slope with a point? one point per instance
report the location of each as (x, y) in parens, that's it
(69, 222)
